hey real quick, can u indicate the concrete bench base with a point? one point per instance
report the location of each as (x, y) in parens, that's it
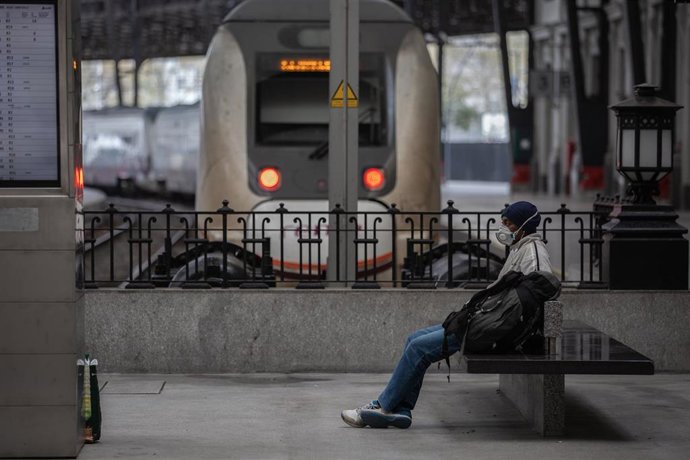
(539, 398)
(536, 384)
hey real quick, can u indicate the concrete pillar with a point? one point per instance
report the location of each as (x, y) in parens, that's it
(559, 114)
(41, 307)
(343, 171)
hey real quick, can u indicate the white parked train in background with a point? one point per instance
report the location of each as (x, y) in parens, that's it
(115, 143)
(153, 150)
(174, 150)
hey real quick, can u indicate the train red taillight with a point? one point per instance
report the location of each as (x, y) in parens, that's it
(374, 179)
(269, 179)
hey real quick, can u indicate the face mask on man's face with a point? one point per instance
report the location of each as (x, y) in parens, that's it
(505, 236)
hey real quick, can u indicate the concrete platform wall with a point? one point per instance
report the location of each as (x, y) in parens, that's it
(186, 331)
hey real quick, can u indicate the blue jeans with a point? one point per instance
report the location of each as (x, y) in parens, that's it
(423, 347)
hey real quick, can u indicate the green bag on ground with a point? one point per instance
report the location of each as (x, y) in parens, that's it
(89, 397)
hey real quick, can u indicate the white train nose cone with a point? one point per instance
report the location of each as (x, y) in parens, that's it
(309, 219)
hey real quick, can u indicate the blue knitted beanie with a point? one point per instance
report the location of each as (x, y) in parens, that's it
(519, 212)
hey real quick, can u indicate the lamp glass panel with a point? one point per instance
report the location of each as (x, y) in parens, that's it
(666, 149)
(647, 175)
(648, 148)
(628, 149)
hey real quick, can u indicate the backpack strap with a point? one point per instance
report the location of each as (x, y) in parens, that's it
(536, 253)
(445, 353)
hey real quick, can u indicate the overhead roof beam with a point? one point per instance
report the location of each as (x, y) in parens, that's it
(183, 27)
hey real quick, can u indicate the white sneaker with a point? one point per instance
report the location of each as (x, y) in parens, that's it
(352, 416)
(378, 418)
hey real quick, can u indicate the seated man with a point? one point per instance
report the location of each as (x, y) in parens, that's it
(394, 405)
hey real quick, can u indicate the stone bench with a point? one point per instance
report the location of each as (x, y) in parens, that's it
(535, 383)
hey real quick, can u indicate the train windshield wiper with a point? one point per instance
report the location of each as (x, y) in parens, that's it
(322, 149)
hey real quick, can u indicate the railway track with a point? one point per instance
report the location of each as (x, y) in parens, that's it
(125, 245)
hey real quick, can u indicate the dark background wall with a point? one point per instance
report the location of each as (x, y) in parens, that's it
(478, 162)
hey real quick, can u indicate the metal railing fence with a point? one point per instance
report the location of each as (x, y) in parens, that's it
(393, 248)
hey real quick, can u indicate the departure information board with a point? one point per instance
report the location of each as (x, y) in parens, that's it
(29, 128)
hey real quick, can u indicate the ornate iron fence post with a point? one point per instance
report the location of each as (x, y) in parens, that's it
(450, 212)
(394, 211)
(337, 211)
(281, 212)
(111, 229)
(92, 284)
(168, 211)
(224, 211)
(563, 211)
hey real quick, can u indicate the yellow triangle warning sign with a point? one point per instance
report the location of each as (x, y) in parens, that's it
(339, 97)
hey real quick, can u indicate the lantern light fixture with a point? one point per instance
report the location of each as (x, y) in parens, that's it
(644, 141)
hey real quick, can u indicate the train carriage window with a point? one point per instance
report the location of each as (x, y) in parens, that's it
(292, 106)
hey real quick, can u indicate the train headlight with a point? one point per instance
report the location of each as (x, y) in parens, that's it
(269, 179)
(374, 179)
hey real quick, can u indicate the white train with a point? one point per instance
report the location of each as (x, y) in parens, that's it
(265, 114)
(174, 151)
(116, 151)
(155, 150)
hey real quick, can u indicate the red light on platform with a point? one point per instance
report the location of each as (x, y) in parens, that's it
(269, 179)
(79, 178)
(374, 179)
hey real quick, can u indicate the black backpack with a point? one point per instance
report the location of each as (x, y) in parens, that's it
(501, 318)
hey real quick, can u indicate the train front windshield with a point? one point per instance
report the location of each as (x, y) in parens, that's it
(293, 100)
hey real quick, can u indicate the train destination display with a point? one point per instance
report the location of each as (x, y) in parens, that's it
(29, 142)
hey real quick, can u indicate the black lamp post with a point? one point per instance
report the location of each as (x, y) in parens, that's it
(644, 144)
(644, 247)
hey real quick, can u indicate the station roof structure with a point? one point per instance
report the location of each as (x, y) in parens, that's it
(142, 29)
